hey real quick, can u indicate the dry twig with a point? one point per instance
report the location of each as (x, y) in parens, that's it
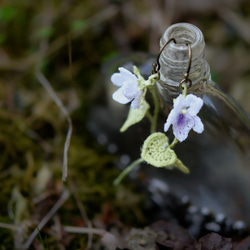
(83, 213)
(65, 195)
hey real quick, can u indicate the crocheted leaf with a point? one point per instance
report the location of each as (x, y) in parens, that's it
(156, 152)
(135, 116)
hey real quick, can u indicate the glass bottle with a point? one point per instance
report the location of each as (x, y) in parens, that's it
(218, 158)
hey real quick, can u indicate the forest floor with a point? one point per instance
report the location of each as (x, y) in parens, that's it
(53, 55)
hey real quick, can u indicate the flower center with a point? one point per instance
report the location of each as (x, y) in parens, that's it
(180, 119)
(183, 111)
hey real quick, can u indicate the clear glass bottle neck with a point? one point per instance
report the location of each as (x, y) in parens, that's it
(174, 59)
(220, 111)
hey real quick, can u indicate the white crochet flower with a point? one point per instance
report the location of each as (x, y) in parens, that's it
(183, 116)
(128, 90)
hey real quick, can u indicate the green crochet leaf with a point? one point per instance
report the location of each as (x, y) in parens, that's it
(135, 116)
(156, 152)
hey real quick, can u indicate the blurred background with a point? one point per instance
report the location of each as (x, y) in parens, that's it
(70, 42)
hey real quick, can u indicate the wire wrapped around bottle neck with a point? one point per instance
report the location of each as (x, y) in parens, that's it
(174, 59)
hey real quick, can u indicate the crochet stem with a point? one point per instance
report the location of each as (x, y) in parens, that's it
(156, 110)
(149, 116)
(184, 90)
(127, 170)
(175, 141)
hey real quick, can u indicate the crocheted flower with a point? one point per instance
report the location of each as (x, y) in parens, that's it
(128, 90)
(183, 116)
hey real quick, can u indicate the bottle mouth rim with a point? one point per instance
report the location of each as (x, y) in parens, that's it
(183, 33)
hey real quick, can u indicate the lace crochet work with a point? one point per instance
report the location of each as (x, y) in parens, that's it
(156, 152)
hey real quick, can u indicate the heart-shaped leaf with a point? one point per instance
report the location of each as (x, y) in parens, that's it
(156, 152)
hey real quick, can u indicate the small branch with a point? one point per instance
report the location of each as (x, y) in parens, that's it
(84, 230)
(45, 83)
(44, 221)
(82, 211)
(8, 226)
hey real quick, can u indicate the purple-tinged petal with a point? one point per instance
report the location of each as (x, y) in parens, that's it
(181, 119)
(181, 130)
(183, 116)
(178, 102)
(171, 118)
(181, 135)
(198, 125)
(193, 103)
